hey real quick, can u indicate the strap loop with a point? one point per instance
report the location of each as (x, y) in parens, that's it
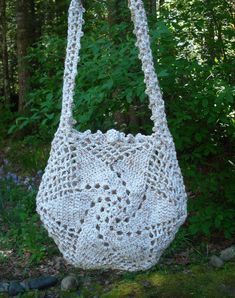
(75, 22)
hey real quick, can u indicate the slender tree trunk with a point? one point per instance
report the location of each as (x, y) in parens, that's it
(118, 12)
(4, 50)
(61, 8)
(151, 7)
(115, 15)
(134, 120)
(34, 34)
(210, 33)
(23, 43)
(159, 6)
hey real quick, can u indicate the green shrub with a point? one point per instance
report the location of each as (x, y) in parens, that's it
(20, 224)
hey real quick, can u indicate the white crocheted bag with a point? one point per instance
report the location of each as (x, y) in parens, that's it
(111, 200)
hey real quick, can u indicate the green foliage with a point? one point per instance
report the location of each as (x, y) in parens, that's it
(6, 120)
(212, 208)
(30, 155)
(43, 105)
(19, 223)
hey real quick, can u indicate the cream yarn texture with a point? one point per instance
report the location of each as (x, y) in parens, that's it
(110, 200)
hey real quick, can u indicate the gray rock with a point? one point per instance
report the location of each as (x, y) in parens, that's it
(15, 288)
(69, 283)
(216, 262)
(228, 290)
(228, 253)
(42, 282)
(52, 295)
(4, 286)
(58, 262)
(25, 285)
(145, 283)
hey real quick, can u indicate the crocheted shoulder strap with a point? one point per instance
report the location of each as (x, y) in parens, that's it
(75, 22)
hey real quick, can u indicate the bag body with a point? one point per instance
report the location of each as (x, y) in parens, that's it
(110, 200)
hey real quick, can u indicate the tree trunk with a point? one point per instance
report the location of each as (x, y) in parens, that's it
(159, 6)
(114, 11)
(24, 34)
(151, 7)
(5, 66)
(210, 33)
(117, 12)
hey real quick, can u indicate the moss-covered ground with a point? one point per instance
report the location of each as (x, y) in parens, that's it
(199, 281)
(194, 281)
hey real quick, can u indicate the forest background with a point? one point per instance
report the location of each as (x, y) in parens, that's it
(193, 49)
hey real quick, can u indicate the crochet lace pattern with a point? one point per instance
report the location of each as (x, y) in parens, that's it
(110, 200)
